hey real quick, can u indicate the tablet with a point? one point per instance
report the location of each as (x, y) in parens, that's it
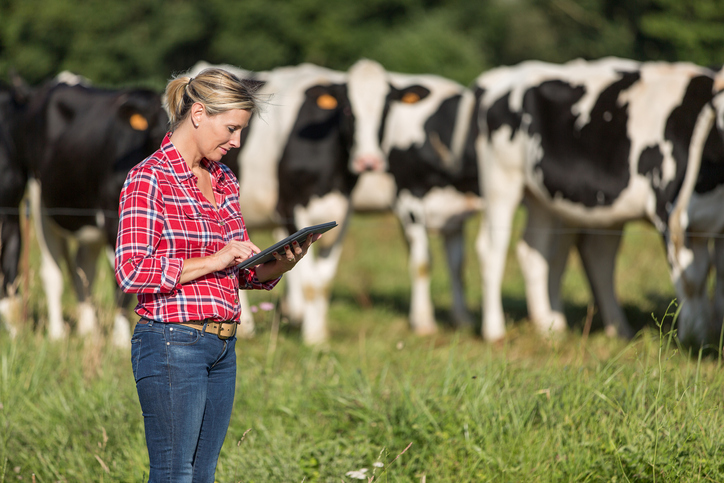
(267, 254)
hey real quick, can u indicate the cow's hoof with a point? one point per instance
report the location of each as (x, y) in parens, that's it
(425, 330)
(555, 323)
(619, 332)
(87, 323)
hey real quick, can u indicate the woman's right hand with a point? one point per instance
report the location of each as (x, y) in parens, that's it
(234, 253)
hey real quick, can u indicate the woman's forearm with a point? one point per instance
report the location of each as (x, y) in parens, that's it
(194, 268)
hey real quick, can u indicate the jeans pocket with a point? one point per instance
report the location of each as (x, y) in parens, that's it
(179, 335)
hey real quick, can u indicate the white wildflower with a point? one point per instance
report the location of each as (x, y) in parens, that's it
(378, 464)
(357, 474)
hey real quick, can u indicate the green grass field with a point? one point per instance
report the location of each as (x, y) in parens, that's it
(380, 404)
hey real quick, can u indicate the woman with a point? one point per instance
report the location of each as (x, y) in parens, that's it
(180, 237)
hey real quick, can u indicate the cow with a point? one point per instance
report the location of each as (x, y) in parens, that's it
(594, 145)
(13, 178)
(425, 131)
(297, 164)
(78, 144)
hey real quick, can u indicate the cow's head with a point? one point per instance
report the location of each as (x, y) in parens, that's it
(368, 90)
(428, 120)
(692, 253)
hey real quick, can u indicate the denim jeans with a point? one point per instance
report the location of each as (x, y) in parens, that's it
(185, 380)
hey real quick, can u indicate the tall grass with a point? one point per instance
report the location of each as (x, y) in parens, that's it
(443, 408)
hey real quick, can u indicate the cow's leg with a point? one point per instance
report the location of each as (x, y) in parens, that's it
(557, 262)
(598, 254)
(52, 249)
(455, 251)
(121, 335)
(293, 298)
(10, 249)
(694, 322)
(84, 274)
(410, 211)
(718, 296)
(502, 188)
(317, 269)
(293, 301)
(534, 250)
(317, 274)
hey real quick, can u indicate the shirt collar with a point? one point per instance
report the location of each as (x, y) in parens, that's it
(181, 169)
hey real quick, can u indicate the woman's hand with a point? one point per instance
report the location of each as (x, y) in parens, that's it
(286, 260)
(232, 254)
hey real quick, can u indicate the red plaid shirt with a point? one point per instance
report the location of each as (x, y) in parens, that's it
(165, 219)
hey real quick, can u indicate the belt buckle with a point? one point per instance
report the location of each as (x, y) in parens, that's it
(224, 337)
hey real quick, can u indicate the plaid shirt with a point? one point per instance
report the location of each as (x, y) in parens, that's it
(165, 219)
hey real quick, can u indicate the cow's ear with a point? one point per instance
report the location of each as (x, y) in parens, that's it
(21, 89)
(411, 94)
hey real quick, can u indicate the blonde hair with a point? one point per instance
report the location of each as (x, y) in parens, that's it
(217, 89)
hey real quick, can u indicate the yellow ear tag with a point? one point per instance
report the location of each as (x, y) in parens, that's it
(326, 102)
(410, 98)
(138, 122)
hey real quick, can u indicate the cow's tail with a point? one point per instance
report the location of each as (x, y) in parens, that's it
(678, 220)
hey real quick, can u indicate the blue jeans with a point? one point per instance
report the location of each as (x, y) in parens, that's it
(185, 380)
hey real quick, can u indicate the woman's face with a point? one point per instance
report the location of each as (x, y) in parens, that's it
(216, 135)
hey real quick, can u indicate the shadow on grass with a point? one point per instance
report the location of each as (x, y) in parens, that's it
(638, 318)
(516, 310)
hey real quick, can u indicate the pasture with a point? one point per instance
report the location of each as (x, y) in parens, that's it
(447, 407)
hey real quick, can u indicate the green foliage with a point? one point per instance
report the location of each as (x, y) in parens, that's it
(145, 41)
(692, 30)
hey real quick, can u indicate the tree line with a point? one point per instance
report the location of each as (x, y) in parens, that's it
(143, 42)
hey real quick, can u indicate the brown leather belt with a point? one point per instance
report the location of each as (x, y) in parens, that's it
(225, 329)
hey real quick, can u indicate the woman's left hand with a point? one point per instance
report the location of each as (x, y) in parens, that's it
(294, 252)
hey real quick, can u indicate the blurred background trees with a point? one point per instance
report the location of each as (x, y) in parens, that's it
(144, 41)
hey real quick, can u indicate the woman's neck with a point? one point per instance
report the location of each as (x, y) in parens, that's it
(184, 142)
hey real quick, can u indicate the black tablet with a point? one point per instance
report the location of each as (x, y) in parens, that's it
(267, 254)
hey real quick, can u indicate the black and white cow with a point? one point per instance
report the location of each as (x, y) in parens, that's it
(297, 165)
(594, 144)
(79, 143)
(13, 178)
(424, 136)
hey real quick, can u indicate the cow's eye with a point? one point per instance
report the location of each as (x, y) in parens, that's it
(410, 98)
(326, 102)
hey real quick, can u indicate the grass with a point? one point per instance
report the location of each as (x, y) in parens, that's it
(448, 407)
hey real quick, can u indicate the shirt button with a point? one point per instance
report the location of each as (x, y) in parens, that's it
(236, 300)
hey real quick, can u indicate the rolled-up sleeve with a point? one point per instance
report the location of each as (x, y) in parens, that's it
(138, 268)
(249, 281)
